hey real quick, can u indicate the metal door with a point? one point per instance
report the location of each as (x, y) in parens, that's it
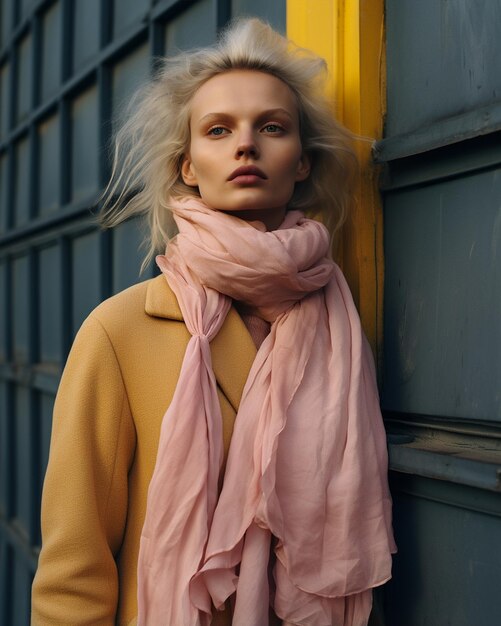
(442, 309)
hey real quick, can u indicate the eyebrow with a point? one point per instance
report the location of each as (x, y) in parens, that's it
(264, 114)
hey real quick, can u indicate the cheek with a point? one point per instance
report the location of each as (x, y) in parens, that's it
(292, 163)
(293, 154)
(203, 161)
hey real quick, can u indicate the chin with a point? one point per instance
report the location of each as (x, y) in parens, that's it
(245, 207)
(247, 200)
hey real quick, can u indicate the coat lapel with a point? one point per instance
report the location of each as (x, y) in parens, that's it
(161, 301)
(233, 350)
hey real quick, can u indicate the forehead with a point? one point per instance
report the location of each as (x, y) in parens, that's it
(243, 91)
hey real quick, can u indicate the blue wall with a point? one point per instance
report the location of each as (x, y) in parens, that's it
(66, 68)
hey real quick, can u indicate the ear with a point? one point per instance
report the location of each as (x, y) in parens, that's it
(187, 173)
(303, 168)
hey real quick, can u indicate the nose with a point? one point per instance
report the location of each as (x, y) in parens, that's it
(247, 145)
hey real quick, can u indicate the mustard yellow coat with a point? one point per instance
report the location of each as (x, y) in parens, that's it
(119, 379)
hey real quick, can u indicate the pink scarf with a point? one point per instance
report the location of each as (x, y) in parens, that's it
(307, 461)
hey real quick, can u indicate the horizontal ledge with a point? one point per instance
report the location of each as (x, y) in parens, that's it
(85, 208)
(161, 9)
(475, 155)
(447, 465)
(481, 121)
(415, 424)
(17, 539)
(37, 377)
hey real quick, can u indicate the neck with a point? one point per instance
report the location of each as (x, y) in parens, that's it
(271, 218)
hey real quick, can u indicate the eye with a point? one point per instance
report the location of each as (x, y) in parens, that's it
(217, 131)
(273, 128)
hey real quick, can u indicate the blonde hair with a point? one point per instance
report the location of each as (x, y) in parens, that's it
(150, 145)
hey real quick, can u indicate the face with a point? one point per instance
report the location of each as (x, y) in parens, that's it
(245, 152)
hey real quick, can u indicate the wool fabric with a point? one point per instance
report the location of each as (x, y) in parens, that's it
(307, 465)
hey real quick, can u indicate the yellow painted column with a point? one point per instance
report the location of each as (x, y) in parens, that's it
(349, 35)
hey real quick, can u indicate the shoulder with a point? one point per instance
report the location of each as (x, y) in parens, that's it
(133, 315)
(151, 298)
(127, 303)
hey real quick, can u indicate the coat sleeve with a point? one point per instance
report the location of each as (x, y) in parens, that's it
(84, 501)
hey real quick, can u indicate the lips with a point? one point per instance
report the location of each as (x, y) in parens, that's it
(247, 170)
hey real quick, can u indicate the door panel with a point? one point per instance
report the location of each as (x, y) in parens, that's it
(441, 395)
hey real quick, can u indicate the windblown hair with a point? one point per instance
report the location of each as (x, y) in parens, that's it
(150, 145)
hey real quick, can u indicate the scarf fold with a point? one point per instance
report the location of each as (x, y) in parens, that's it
(307, 462)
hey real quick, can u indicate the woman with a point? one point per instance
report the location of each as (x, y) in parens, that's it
(218, 454)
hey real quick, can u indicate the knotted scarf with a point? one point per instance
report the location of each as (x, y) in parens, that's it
(307, 465)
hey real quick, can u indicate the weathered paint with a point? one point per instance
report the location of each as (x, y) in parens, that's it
(446, 60)
(442, 360)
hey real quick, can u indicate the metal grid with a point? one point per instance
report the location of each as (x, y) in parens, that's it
(66, 67)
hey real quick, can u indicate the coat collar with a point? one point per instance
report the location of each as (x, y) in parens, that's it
(161, 301)
(233, 350)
